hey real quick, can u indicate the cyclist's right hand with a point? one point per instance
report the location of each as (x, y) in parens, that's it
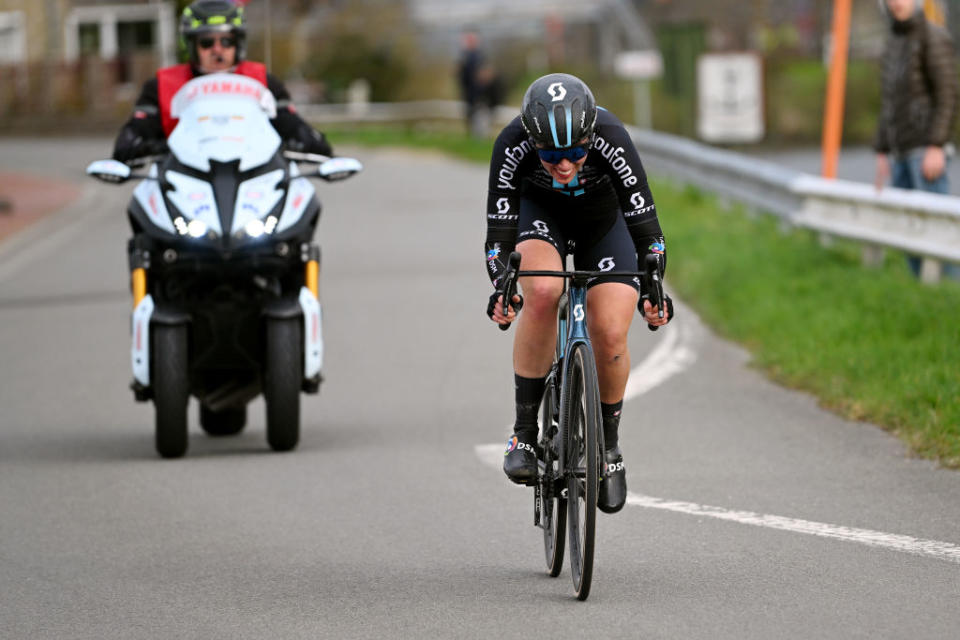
(495, 308)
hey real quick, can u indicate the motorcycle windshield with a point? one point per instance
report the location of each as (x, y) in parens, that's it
(223, 117)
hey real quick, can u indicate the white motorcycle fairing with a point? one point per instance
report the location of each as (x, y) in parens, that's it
(312, 334)
(224, 117)
(299, 196)
(140, 342)
(150, 198)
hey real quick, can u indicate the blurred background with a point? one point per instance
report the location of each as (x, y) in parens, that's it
(77, 65)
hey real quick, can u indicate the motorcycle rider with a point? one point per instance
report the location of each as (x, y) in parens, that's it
(566, 171)
(214, 34)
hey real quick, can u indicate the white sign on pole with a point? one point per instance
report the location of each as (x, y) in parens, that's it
(730, 97)
(638, 65)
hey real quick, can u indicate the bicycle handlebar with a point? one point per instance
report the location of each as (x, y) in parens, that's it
(651, 279)
(509, 288)
(654, 285)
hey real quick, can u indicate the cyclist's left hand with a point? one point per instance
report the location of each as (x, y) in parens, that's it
(650, 312)
(495, 308)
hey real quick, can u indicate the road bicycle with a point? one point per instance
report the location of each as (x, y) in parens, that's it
(570, 449)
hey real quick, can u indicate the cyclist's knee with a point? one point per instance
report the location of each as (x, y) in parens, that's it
(609, 342)
(540, 297)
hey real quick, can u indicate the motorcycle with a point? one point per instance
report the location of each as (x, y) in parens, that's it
(224, 269)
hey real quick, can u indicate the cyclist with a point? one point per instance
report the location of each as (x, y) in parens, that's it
(214, 34)
(566, 178)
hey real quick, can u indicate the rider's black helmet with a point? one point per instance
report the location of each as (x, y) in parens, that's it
(558, 111)
(204, 17)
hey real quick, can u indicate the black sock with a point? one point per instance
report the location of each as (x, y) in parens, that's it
(611, 423)
(529, 392)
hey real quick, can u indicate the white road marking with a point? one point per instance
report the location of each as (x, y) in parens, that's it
(669, 358)
(890, 541)
(492, 455)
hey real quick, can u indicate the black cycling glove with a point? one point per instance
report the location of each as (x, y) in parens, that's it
(667, 304)
(492, 304)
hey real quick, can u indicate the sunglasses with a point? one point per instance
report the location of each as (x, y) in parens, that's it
(573, 154)
(227, 42)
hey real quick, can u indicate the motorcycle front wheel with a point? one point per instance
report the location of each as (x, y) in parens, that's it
(282, 381)
(170, 388)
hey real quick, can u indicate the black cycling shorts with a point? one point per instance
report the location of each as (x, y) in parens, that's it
(614, 251)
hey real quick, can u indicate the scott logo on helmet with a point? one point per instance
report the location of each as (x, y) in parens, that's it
(606, 264)
(556, 91)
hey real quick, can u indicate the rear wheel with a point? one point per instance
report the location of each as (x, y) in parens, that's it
(226, 422)
(581, 408)
(170, 388)
(282, 381)
(554, 516)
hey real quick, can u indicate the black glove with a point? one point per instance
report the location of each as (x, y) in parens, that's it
(129, 148)
(492, 304)
(309, 140)
(667, 306)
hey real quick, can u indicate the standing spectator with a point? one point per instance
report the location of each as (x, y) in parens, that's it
(919, 103)
(471, 79)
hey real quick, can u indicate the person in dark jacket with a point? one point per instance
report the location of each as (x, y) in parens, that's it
(214, 33)
(919, 92)
(919, 103)
(475, 76)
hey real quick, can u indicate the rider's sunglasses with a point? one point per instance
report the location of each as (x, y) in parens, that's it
(573, 154)
(227, 42)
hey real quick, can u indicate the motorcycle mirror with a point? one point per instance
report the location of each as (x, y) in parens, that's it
(111, 171)
(338, 168)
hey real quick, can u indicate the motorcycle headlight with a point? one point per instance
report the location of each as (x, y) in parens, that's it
(255, 228)
(197, 228)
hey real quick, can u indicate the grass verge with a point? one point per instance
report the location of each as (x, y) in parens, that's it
(872, 344)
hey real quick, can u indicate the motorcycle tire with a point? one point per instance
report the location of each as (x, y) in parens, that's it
(226, 422)
(282, 381)
(170, 389)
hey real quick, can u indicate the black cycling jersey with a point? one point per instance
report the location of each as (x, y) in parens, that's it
(611, 184)
(145, 127)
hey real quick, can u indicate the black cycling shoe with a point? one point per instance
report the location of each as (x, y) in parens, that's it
(520, 458)
(613, 482)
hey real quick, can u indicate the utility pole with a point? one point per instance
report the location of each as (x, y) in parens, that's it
(836, 87)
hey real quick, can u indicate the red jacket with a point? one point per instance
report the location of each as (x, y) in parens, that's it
(170, 79)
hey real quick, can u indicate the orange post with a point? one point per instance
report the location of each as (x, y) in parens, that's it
(836, 86)
(934, 12)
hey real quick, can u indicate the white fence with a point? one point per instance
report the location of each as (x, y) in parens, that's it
(920, 223)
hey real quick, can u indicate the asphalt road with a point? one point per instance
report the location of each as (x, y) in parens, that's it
(753, 514)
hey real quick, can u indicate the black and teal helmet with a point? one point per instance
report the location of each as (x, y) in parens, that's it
(558, 111)
(205, 17)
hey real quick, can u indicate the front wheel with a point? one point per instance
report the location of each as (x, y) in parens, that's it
(170, 388)
(581, 423)
(554, 516)
(282, 380)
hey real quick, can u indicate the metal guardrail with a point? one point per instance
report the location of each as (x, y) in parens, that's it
(920, 223)
(917, 222)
